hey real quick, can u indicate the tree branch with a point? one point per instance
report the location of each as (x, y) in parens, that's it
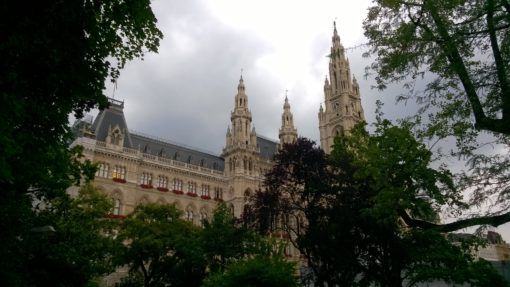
(498, 59)
(494, 220)
(451, 50)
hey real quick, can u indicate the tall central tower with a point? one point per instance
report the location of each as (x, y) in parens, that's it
(342, 102)
(241, 153)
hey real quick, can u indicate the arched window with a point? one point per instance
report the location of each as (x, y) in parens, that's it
(176, 155)
(189, 159)
(202, 162)
(161, 153)
(203, 216)
(116, 137)
(116, 210)
(189, 214)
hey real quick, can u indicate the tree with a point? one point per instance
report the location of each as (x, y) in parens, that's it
(56, 58)
(257, 271)
(345, 212)
(224, 241)
(161, 248)
(70, 242)
(464, 45)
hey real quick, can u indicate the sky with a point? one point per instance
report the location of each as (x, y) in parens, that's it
(186, 91)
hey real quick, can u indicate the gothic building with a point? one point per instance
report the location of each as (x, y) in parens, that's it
(342, 99)
(135, 168)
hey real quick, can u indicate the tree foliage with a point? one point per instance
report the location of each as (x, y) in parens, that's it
(56, 57)
(258, 271)
(69, 239)
(463, 47)
(160, 247)
(348, 213)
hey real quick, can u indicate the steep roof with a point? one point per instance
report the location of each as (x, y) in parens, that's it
(267, 147)
(114, 116)
(167, 149)
(111, 117)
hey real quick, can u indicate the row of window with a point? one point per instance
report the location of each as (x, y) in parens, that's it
(146, 178)
(118, 171)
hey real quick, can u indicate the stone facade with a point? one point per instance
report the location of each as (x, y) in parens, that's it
(342, 101)
(135, 168)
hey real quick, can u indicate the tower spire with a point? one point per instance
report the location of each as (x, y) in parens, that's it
(342, 103)
(288, 133)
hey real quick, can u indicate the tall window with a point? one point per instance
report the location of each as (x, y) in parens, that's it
(177, 184)
(103, 169)
(162, 181)
(146, 178)
(119, 172)
(203, 216)
(192, 187)
(218, 193)
(189, 214)
(116, 206)
(205, 190)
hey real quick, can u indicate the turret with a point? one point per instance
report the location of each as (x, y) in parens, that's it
(288, 133)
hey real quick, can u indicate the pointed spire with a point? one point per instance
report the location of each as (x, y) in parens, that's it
(240, 86)
(335, 33)
(288, 132)
(286, 105)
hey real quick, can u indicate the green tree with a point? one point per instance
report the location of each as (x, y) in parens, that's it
(70, 243)
(345, 212)
(258, 271)
(161, 248)
(57, 56)
(223, 240)
(463, 48)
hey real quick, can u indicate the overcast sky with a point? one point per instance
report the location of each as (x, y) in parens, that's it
(185, 92)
